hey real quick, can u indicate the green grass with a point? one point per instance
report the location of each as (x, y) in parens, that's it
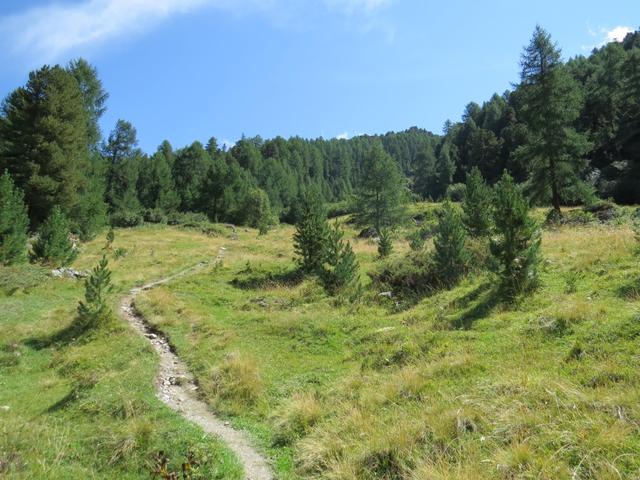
(84, 406)
(456, 385)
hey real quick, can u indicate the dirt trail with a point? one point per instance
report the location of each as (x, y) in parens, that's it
(177, 388)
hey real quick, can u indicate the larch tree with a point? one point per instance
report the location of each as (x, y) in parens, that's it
(550, 101)
(381, 197)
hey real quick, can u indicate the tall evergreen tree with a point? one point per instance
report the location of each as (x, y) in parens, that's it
(123, 159)
(53, 245)
(189, 171)
(449, 242)
(156, 188)
(516, 243)
(381, 197)
(477, 204)
(94, 97)
(311, 235)
(14, 222)
(43, 127)
(550, 102)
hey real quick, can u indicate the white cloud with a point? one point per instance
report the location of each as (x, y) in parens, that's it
(343, 136)
(615, 34)
(47, 33)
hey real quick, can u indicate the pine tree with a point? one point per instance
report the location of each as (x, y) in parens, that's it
(550, 101)
(311, 235)
(477, 204)
(43, 127)
(340, 268)
(95, 311)
(385, 243)
(53, 245)
(449, 242)
(381, 198)
(516, 243)
(14, 222)
(189, 172)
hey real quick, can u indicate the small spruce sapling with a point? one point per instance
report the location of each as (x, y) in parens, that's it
(516, 243)
(94, 311)
(385, 243)
(450, 255)
(311, 235)
(341, 265)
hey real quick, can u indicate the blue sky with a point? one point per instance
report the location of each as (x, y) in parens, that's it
(187, 70)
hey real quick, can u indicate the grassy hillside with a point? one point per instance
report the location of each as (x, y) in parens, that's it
(83, 406)
(455, 385)
(452, 385)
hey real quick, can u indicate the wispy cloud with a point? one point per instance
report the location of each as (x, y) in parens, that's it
(48, 33)
(606, 35)
(343, 136)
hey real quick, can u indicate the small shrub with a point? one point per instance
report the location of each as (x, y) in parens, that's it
(126, 219)
(477, 204)
(311, 235)
(456, 192)
(155, 215)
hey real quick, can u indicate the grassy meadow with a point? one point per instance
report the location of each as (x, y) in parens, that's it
(450, 385)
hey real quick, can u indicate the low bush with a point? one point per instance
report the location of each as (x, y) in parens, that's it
(126, 219)
(155, 215)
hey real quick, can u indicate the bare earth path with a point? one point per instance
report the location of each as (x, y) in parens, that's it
(177, 388)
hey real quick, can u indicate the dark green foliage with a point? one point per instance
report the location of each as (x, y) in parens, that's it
(90, 215)
(456, 192)
(449, 242)
(53, 246)
(14, 223)
(190, 169)
(43, 127)
(123, 159)
(516, 243)
(94, 311)
(382, 192)
(156, 188)
(258, 211)
(93, 95)
(385, 243)
(477, 204)
(549, 101)
(126, 219)
(409, 275)
(340, 268)
(311, 235)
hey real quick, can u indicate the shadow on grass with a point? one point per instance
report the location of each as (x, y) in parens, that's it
(254, 278)
(475, 305)
(65, 336)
